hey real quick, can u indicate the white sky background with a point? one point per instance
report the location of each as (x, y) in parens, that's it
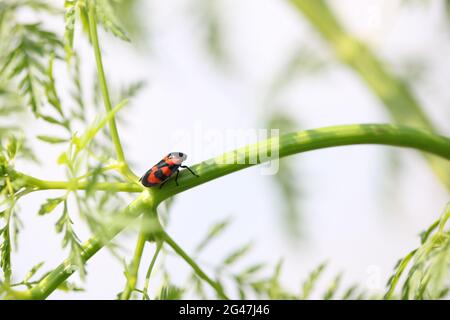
(345, 218)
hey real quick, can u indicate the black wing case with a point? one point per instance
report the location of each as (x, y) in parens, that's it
(143, 179)
(158, 173)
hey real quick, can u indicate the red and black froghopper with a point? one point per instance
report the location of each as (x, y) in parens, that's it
(160, 173)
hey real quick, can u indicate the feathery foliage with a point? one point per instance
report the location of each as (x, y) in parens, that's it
(98, 179)
(428, 265)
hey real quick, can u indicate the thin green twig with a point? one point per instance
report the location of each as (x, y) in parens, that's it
(215, 285)
(132, 274)
(38, 184)
(105, 93)
(150, 230)
(159, 245)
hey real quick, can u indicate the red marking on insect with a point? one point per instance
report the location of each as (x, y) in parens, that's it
(160, 173)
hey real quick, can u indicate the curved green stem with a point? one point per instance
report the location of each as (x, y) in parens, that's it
(288, 144)
(105, 93)
(159, 245)
(133, 272)
(150, 230)
(302, 141)
(215, 285)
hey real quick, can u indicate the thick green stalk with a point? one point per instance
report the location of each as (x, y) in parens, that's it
(105, 93)
(215, 285)
(392, 91)
(288, 145)
(302, 141)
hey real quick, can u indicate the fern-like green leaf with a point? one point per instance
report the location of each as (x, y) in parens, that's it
(170, 292)
(107, 17)
(237, 254)
(429, 264)
(70, 7)
(309, 283)
(212, 233)
(24, 62)
(50, 205)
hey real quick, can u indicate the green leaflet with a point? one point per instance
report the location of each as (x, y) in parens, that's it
(52, 139)
(213, 233)
(50, 205)
(333, 287)
(108, 18)
(309, 283)
(106, 15)
(96, 126)
(70, 7)
(237, 254)
(71, 240)
(33, 271)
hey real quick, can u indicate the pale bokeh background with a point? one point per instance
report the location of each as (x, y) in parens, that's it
(354, 215)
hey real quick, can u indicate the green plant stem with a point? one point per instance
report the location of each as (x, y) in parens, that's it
(39, 184)
(398, 99)
(105, 93)
(132, 274)
(159, 245)
(288, 144)
(297, 142)
(302, 141)
(150, 230)
(6, 254)
(215, 285)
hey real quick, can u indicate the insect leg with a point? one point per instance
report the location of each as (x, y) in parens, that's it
(190, 171)
(161, 185)
(176, 177)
